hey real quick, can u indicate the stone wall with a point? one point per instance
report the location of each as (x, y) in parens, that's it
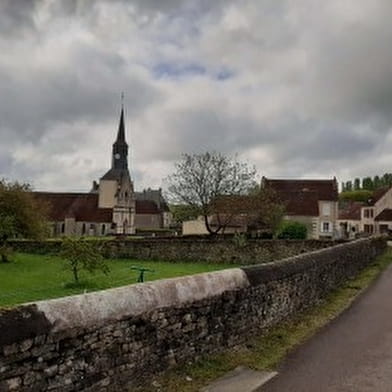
(183, 250)
(104, 340)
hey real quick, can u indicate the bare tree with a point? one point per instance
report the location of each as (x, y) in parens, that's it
(200, 179)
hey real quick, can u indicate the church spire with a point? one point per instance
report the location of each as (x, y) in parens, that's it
(121, 126)
(120, 146)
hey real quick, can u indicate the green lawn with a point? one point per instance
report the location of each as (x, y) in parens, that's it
(33, 277)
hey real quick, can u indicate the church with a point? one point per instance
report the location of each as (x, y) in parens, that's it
(112, 207)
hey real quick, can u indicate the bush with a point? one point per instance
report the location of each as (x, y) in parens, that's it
(291, 230)
(240, 240)
(359, 195)
(6, 253)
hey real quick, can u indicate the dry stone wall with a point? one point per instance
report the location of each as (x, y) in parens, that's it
(105, 340)
(183, 250)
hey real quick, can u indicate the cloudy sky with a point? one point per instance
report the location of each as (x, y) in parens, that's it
(300, 88)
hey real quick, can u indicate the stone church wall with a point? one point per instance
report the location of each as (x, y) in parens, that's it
(150, 221)
(193, 250)
(105, 340)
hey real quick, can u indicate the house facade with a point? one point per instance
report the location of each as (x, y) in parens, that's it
(311, 202)
(371, 217)
(112, 207)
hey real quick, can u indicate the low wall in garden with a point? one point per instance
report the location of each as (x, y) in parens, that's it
(182, 250)
(105, 340)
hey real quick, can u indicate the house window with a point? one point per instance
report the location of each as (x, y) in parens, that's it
(368, 229)
(368, 213)
(325, 227)
(326, 209)
(62, 228)
(103, 230)
(84, 228)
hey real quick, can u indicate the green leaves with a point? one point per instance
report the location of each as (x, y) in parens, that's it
(20, 213)
(291, 230)
(80, 254)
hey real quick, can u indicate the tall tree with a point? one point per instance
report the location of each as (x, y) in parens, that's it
(367, 183)
(357, 184)
(200, 179)
(377, 182)
(20, 214)
(349, 186)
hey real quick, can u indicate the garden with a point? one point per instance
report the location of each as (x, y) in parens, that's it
(31, 277)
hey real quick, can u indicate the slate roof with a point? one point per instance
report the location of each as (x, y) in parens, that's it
(81, 206)
(115, 174)
(384, 215)
(146, 207)
(154, 195)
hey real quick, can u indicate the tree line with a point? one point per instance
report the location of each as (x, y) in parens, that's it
(367, 183)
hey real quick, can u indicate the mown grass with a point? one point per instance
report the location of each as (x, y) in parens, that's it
(34, 277)
(267, 351)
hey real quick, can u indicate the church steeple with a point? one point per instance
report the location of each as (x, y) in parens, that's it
(121, 127)
(120, 146)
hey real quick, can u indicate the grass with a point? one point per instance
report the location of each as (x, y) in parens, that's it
(267, 351)
(34, 277)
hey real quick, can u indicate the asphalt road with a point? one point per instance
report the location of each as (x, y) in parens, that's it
(351, 354)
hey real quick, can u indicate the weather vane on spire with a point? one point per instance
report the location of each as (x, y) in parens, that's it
(122, 99)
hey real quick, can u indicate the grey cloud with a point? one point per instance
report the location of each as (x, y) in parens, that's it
(16, 17)
(89, 91)
(327, 104)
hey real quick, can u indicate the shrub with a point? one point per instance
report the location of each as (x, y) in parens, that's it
(292, 230)
(240, 240)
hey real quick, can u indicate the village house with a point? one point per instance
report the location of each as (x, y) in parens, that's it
(112, 206)
(371, 217)
(312, 202)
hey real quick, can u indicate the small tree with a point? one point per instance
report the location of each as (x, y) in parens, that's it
(20, 215)
(80, 254)
(265, 210)
(183, 212)
(292, 230)
(199, 179)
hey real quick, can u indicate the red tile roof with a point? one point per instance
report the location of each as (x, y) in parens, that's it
(326, 189)
(84, 207)
(231, 220)
(81, 206)
(384, 215)
(301, 197)
(300, 203)
(351, 211)
(378, 194)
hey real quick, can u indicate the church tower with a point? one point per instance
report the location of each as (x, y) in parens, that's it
(120, 147)
(116, 187)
